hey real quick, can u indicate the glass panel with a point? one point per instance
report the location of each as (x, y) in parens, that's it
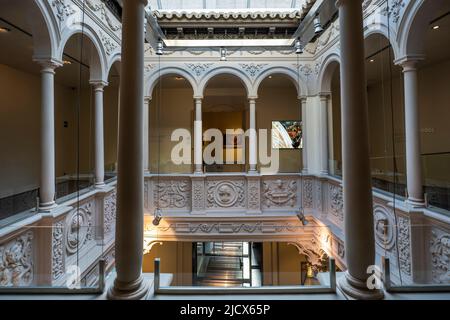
(436, 169)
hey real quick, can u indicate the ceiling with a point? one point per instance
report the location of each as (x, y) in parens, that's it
(228, 5)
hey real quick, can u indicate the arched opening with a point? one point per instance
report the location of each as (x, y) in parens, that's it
(170, 109)
(225, 108)
(331, 87)
(386, 116)
(21, 22)
(278, 110)
(433, 19)
(75, 117)
(111, 120)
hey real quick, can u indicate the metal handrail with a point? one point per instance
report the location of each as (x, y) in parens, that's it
(186, 290)
(45, 290)
(414, 288)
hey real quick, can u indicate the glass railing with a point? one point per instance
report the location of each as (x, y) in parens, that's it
(436, 172)
(67, 257)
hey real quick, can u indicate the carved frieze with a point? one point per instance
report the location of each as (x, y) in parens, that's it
(252, 69)
(225, 194)
(336, 202)
(110, 213)
(254, 192)
(62, 9)
(109, 44)
(16, 261)
(404, 245)
(198, 192)
(279, 193)
(172, 194)
(308, 193)
(199, 68)
(440, 256)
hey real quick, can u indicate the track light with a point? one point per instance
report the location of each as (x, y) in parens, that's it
(157, 217)
(317, 25)
(223, 54)
(298, 46)
(301, 217)
(160, 48)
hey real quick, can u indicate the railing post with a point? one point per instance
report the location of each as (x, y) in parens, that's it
(156, 276)
(332, 274)
(101, 272)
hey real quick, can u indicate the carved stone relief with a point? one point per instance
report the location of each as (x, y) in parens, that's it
(384, 227)
(440, 256)
(226, 194)
(198, 191)
(58, 267)
(110, 213)
(404, 245)
(336, 202)
(308, 193)
(279, 193)
(254, 191)
(16, 261)
(172, 194)
(78, 229)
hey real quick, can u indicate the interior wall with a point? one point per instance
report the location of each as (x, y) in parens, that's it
(111, 126)
(175, 111)
(279, 104)
(336, 154)
(281, 264)
(176, 259)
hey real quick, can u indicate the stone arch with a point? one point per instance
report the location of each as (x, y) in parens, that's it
(152, 80)
(414, 25)
(384, 30)
(45, 30)
(117, 57)
(326, 72)
(98, 61)
(247, 83)
(290, 73)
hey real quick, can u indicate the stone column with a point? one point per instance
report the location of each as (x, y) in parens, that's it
(252, 141)
(412, 134)
(147, 101)
(99, 134)
(198, 137)
(323, 134)
(47, 179)
(129, 283)
(303, 101)
(357, 189)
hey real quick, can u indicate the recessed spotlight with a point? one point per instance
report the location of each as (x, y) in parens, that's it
(372, 60)
(4, 30)
(436, 27)
(67, 62)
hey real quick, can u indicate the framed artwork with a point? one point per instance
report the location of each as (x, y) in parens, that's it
(287, 134)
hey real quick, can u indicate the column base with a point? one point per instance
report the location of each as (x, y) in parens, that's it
(415, 203)
(137, 290)
(358, 290)
(47, 207)
(99, 185)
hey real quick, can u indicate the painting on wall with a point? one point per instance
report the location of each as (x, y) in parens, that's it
(287, 134)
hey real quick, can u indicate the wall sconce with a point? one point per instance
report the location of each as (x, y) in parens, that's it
(157, 217)
(298, 46)
(301, 217)
(317, 25)
(223, 54)
(160, 48)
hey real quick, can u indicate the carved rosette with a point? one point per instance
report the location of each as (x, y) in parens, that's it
(78, 229)
(279, 193)
(308, 193)
(440, 256)
(58, 267)
(172, 194)
(110, 213)
(16, 261)
(225, 194)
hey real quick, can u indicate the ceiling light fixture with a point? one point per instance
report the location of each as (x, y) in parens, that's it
(317, 25)
(436, 27)
(372, 60)
(301, 217)
(223, 54)
(4, 30)
(157, 217)
(67, 62)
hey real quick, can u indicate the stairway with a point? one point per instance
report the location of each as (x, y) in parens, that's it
(225, 266)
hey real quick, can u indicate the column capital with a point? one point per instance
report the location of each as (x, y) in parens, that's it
(252, 99)
(198, 99)
(147, 99)
(409, 62)
(302, 98)
(324, 95)
(48, 64)
(98, 84)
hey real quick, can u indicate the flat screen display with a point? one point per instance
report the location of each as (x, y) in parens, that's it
(287, 134)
